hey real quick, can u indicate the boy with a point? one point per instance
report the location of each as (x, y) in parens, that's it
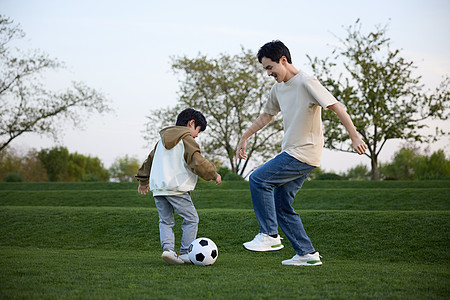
(300, 98)
(170, 172)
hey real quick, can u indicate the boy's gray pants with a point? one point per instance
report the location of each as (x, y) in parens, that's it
(183, 205)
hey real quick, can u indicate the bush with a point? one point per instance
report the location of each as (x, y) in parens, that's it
(13, 177)
(359, 172)
(232, 177)
(223, 171)
(329, 176)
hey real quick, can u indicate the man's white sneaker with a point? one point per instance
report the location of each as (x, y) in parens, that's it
(185, 258)
(312, 259)
(171, 257)
(263, 242)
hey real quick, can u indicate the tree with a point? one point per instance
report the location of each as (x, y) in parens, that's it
(55, 162)
(230, 91)
(61, 165)
(359, 172)
(25, 104)
(409, 164)
(27, 165)
(383, 96)
(124, 168)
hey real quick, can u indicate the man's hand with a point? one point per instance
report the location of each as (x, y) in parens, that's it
(259, 123)
(143, 189)
(218, 179)
(240, 152)
(359, 146)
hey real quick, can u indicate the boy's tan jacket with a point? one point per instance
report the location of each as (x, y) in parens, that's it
(170, 137)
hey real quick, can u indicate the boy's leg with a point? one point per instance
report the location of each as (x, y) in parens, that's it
(289, 221)
(276, 172)
(185, 208)
(166, 223)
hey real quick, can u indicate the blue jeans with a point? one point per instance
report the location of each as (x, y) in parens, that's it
(183, 205)
(273, 187)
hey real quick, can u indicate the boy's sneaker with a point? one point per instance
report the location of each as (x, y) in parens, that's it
(263, 242)
(312, 259)
(185, 258)
(171, 257)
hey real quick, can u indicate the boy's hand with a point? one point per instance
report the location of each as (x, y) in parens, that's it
(143, 189)
(218, 179)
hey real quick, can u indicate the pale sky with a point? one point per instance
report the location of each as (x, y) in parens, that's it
(123, 49)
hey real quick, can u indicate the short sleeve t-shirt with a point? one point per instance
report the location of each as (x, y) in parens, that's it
(300, 100)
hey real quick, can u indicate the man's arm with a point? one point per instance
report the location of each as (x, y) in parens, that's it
(358, 144)
(258, 124)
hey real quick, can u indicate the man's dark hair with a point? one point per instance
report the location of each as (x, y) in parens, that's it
(191, 114)
(274, 50)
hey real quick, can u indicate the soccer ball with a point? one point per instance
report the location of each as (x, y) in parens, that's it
(203, 252)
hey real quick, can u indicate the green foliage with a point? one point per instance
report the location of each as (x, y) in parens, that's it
(55, 162)
(373, 239)
(25, 104)
(383, 96)
(64, 166)
(329, 176)
(124, 168)
(27, 165)
(409, 164)
(359, 172)
(315, 173)
(222, 171)
(228, 175)
(13, 177)
(233, 177)
(230, 91)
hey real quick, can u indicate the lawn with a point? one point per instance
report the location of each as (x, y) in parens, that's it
(74, 240)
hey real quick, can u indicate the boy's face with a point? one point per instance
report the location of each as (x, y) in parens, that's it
(193, 129)
(275, 69)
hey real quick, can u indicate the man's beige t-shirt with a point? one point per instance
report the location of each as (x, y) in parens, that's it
(300, 101)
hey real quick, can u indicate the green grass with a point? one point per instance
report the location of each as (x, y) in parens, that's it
(60, 240)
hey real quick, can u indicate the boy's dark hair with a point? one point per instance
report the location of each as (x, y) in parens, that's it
(274, 50)
(191, 114)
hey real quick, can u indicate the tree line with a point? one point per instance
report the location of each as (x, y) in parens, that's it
(58, 164)
(378, 86)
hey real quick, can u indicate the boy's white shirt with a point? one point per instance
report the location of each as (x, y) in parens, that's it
(170, 174)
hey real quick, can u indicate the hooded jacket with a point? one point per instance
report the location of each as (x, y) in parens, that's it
(173, 165)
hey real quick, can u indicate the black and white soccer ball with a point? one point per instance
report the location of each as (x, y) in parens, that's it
(203, 252)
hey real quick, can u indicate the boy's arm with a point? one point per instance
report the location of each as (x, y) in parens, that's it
(260, 122)
(197, 163)
(143, 174)
(358, 145)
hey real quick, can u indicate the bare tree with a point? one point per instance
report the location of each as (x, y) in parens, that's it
(25, 104)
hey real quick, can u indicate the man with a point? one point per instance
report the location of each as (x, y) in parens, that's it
(300, 98)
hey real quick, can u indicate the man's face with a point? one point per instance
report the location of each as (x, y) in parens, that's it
(277, 70)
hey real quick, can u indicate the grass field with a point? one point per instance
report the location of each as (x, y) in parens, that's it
(386, 240)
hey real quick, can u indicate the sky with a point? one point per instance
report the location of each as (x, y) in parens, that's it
(124, 50)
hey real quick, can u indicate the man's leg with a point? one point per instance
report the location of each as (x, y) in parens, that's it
(275, 172)
(289, 221)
